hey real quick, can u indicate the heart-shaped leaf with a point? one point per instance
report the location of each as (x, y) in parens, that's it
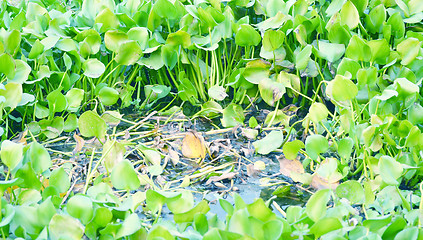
(315, 145)
(271, 91)
(91, 125)
(232, 115)
(80, 207)
(124, 176)
(11, 153)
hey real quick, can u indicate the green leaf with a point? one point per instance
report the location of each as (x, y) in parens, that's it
(273, 39)
(217, 93)
(56, 101)
(91, 125)
(74, 98)
(71, 123)
(348, 65)
(187, 217)
(316, 205)
(259, 210)
(397, 25)
(36, 50)
(376, 18)
(408, 50)
(113, 39)
(66, 45)
(349, 15)
(124, 176)
(271, 91)
(65, 227)
(60, 180)
(380, 51)
(93, 68)
(182, 204)
(291, 149)
(256, 70)
(302, 58)
(108, 96)
(361, 5)
(367, 76)
(130, 225)
(11, 153)
(358, 50)
(102, 216)
(351, 190)
(128, 53)
(233, 115)
(52, 128)
(247, 36)
(12, 42)
(339, 33)
(405, 88)
(179, 38)
(341, 89)
(139, 34)
(107, 19)
(315, 145)
(280, 117)
(156, 92)
(411, 233)
(330, 51)
(324, 226)
(334, 7)
(7, 65)
(415, 114)
(165, 9)
(169, 55)
(317, 112)
(240, 223)
(39, 157)
(12, 93)
(80, 207)
(390, 170)
(345, 147)
(159, 232)
(269, 143)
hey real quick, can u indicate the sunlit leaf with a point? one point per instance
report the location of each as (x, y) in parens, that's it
(269, 143)
(91, 125)
(193, 145)
(124, 176)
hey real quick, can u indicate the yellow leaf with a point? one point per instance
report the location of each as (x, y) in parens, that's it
(193, 145)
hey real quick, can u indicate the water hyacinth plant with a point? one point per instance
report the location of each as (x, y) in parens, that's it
(329, 88)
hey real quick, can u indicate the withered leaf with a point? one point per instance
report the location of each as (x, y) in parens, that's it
(193, 145)
(288, 167)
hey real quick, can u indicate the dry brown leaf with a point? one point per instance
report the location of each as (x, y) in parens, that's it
(318, 182)
(80, 142)
(193, 145)
(229, 175)
(248, 152)
(127, 135)
(251, 171)
(174, 156)
(21, 137)
(219, 185)
(288, 167)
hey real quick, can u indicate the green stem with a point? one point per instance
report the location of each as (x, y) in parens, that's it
(274, 115)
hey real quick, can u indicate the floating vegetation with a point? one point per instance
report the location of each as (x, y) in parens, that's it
(211, 119)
